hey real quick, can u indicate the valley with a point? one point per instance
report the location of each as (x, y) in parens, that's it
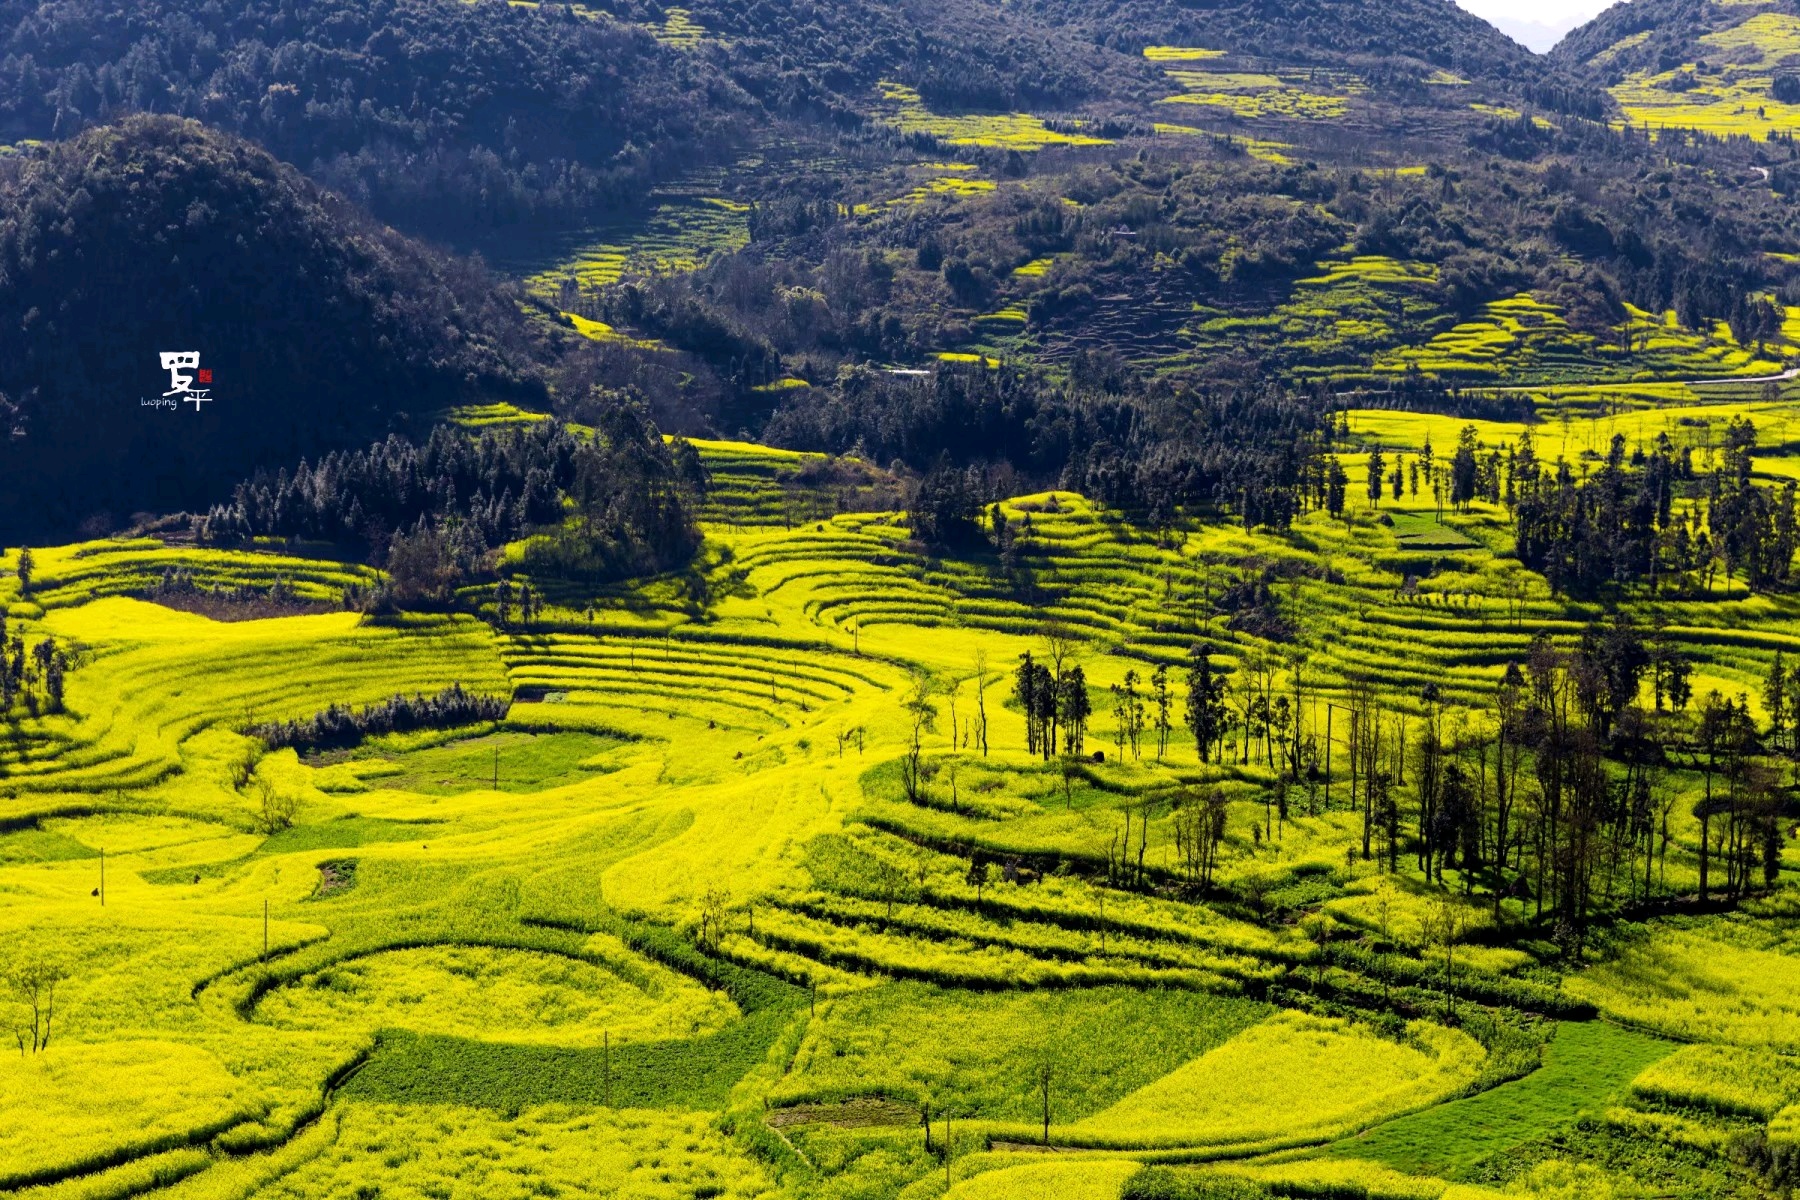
(882, 601)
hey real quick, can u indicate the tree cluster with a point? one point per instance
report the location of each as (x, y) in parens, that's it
(618, 504)
(340, 725)
(1620, 525)
(1254, 453)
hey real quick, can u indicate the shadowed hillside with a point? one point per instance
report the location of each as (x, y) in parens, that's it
(318, 326)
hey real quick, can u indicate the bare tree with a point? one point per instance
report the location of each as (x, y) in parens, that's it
(1045, 1074)
(890, 881)
(982, 676)
(1318, 927)
(713, 907)
(32, 983)
(1068, 769)
(1199, 829)
(1443, 926)
(922, 714)
(276, 809)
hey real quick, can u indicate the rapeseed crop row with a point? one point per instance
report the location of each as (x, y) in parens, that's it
(723, 879)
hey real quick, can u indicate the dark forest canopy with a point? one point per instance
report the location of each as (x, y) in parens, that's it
(320, 328)
(1423, 31)
(438, 116)
(452, 118)
(822, 56)
(1620, 525)
(615, 504)
(1255, 453)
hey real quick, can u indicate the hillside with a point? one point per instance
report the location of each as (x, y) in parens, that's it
(1726, 70)
(364, 98)
(318, 327)
(1435, 33)
(556, 115)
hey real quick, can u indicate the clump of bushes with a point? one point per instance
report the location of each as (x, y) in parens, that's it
(340, 725)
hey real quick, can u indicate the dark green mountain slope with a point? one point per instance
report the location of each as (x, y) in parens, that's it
(319, 327)
(450, 118)
(438, 115)
(1671, 31)
(1434, 32)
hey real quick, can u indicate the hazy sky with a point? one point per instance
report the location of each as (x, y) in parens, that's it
(1544, 12)
(1537, 23)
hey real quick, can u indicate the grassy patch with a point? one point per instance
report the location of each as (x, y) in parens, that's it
(697, 1073)
(516, 762)
(1586, 1065)
(346, 833)
(1101, 1043)
(41, 845)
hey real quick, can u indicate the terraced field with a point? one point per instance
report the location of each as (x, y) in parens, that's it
(765, 893)
(1368, 319)
(901, 107)
(1309, 96)
(1729, 94)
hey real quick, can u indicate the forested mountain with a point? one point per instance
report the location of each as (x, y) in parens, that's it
(1662, 33)
(448, 118)
(773, 221)
(1590, 226)
(439, 116)
(814, 57)
(314, 326)
(1434, 32)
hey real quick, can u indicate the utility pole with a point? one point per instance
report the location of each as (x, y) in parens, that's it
(1329, 706)
(946, 1148)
